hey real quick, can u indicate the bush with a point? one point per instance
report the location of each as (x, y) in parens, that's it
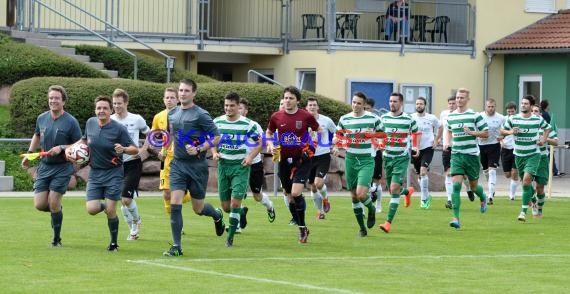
(29, 99)
(149, 69)
(21, 61)
(22, 180)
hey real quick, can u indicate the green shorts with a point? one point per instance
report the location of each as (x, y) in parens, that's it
(542, 176)
(465, 164)
(359, 170)
(232, 179)
(396, 169)
(528, 164)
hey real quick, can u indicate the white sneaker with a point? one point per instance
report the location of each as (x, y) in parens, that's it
(522, 217)
(378, 206)
(534, 210)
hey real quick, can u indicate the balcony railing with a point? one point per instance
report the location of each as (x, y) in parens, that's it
(277, 22)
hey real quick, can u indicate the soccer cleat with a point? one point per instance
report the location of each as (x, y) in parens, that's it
(512, 198)
(219, 223)
(326, 205)
(371, 220)
(423, 204)
(374, 196)
(271, 214)
(135, 228)
(522, 217)
(490, 201)
(386, 226)
(292, 222)
(455, 223)
(303, 235)
(173, 251)
(408, 197)
(320, 215)
(362, 233)
(471, 195)
(534, 210)
(448, 204)
(229, 243)
(483, 207)
(113, 247)
(56, 243)
(243, 218)
(428, 201)
(132, 237)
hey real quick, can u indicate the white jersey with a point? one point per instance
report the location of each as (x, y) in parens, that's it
(428, 125)
(328, 128)
(258, 130)
(443, 123)
(508, 141)
(135, 125)
(495, 122)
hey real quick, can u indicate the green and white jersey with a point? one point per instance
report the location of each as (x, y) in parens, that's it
(398, 130)
(352, 130)
(527, 137)
(544, 149)
(461, 142)
(234, 134)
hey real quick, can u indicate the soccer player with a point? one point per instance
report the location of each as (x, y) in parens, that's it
(55, 129)
(542, 178)
(402, 135)
(322, 159)
(428, 125)
(159, 122)
(132, 164)
(526, 127)
(375, 187)
(354, 133)
(234, 161)
(490, 147)
(107, 140)
(464, 126)
(507, 156)
(193, 132)
(257, 174)
(292, 125)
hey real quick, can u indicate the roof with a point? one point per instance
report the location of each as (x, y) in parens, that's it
(548, 35)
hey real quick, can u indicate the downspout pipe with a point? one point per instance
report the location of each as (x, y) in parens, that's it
(486, 77)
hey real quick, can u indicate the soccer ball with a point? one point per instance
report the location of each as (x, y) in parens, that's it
(78, 152)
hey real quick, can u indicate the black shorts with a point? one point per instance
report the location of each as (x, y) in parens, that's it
(446, 158)
(256, 177)
(424, 159)
(300, 176)
(377, 166)
(508, 160)
(133, 172)
(490, 155)
(319, 167)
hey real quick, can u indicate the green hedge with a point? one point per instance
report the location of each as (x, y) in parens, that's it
(149, 69)
(21, 61)
(29, 99)
(22, 180)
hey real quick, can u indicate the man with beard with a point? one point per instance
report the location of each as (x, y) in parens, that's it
(428, 125)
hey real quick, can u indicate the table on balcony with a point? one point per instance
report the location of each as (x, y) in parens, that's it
(347, 22)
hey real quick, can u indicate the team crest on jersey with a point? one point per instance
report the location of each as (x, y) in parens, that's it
(299, 124)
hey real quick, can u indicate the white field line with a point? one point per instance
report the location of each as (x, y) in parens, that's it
(241, 277)
(334, 258)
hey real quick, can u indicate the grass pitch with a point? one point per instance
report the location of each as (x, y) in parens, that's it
(491, 253)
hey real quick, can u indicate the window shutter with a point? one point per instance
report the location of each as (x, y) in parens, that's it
(544, 6)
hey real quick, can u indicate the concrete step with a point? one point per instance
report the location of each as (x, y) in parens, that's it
(41, 42)
(2, 167)
(6, 183)
(96, 65)
(111, 73)
(23, 34)
(82, 58)
(61, 50)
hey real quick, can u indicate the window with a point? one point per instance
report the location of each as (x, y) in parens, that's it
(306, 79)
(261, 76)
(543, 6)
(530, 85)
(378, 90)
(567, 4)
(411, 92)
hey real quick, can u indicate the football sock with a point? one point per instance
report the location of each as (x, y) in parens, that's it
(127, 215)
(234, 221)
(323, 191)
(358, 213)
(513, 188)
(368, 203)
(56, 220)
(176, 223)
(492, 181)
(480, 192)
(293, 212)
(527, 194)
(318, 200)
(424, 187)
(541, 200)
(134, 210)
(394, 202)
(113, 224)
(448, 187)
(300, 206)
(209, 210)
(166, 206)
(455, 199)
(265, 201)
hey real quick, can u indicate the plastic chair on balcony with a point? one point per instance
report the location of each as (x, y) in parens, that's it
(348, 23)
(313, 22)
(419, 23)
(380, 20)
(439, 27)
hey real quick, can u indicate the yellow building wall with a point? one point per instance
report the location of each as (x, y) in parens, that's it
(3, 13)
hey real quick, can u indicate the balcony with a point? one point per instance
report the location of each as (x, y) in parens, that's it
(283, 25)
